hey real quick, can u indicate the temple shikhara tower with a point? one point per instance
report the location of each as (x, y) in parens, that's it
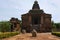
(36, 19)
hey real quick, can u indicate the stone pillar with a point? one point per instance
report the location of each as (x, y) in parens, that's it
(29, 19)
(41, 19)
(18, 27)
(29, 23)
(41, 24)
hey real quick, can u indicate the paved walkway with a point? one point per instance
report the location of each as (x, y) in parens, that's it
(40, 36)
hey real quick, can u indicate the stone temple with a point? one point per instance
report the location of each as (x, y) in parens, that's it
(15, 24)
(36, 19)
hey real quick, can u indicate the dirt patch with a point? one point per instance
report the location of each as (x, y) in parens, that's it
(28, 36)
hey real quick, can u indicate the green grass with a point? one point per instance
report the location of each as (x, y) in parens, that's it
(56, 34)
(7, 34)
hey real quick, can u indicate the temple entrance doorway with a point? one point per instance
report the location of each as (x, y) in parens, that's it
(36, 23)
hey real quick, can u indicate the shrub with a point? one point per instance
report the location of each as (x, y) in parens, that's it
(8, 34)
(56, 33)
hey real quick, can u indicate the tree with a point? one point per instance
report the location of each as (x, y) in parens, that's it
(53, 26)
(57, 25)
(5, 26)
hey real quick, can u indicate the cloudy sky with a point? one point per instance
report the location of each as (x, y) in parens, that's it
(15, 8)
